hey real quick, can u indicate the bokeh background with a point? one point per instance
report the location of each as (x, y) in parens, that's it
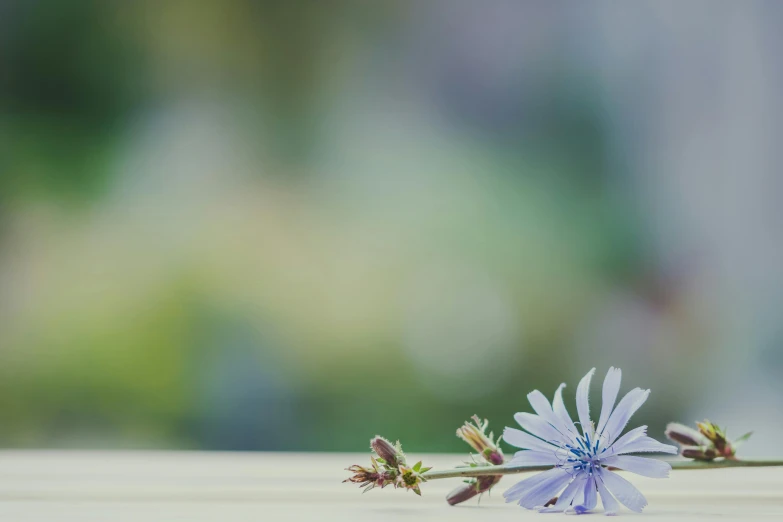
(291, 225)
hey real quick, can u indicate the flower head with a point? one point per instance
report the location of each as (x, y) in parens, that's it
(580, 457)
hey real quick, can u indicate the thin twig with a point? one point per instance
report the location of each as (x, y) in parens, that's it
(481, 471)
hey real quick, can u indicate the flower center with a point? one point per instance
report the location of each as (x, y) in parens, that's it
(584, 456)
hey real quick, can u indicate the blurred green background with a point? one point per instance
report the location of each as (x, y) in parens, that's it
(291, 225)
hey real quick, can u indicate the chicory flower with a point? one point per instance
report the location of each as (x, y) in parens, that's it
(580, 457)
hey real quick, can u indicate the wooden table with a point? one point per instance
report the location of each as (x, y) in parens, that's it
(193, 486)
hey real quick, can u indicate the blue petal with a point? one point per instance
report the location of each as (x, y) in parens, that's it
(560, 410)
(629, 437)
(546, 489)
(516, 491)
(610, 390)
(542, 407)
(611, 507)
(524, 487)
(644, 445)
(539, 427)
(632, 401)
(589, 496)
(583, 403)
(534, 458)
(641, 466)
(523, 440)
(623, 491)
(585, 498)
(565, 499)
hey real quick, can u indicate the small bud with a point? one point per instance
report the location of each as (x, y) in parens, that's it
(698, 453)
(384, 449)
(471, 489)
(684, 435)
(717, 436)
(475, 434)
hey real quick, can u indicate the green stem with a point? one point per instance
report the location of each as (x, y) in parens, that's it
(481, 471)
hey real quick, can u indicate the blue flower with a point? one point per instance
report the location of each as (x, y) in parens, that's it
(580, 460)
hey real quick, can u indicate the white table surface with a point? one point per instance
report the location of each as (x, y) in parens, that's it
(196, 486)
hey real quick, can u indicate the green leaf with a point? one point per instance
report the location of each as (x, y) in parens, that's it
(417, 491)
(425, 470)
(742, 439)
(417, 467)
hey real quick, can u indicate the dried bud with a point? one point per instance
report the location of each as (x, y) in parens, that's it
(391, 455)
(475, 434)
(684, 435)
(698, 453)
(372, 477)
(471, 489)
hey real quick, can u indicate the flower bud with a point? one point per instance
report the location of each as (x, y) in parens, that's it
(717, 436)
(471, 489)
(698, 453)
(384, 449)
(475, 435)
(684, 435)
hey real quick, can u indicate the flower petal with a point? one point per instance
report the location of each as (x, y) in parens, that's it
(582, 402)
(542, 407)
(644, 445)
(523, 440)
(629, 437)
(538, 427)
(640, 465)
(622, 414)
(516, 491)
(610, 390)
(565, 498)
(611, 506)
(589, 498)
(560, 410)
(534, 458)
(546, 489)
(530, 487)
(623, 491)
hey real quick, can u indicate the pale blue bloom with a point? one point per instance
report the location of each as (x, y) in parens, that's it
(579, 460)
